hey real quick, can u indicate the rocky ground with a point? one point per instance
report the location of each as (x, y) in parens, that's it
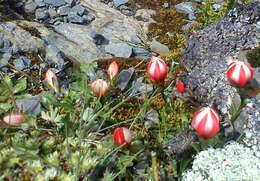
(38, 34)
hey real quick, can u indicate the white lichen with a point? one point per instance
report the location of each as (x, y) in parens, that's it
(233, 162)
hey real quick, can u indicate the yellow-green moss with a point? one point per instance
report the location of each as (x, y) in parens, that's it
(169, 20)
(123, 63)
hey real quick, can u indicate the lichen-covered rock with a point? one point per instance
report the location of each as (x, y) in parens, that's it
(205, 56)
(233, 162)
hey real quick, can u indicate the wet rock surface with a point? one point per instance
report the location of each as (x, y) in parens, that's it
(205, 55)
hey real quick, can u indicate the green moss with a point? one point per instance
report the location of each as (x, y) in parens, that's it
(123, 63)
(169, 20)
(210, 15)
(253, 57)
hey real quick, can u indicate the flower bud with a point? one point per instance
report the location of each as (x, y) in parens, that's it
(15, 119)
(157, 69)
(52, 80)
(206, 122)
(180, 87)
(122, 135)
(239, 72)
(112, 70)
(100, 87)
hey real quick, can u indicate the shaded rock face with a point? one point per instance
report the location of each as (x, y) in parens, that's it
(205, 56)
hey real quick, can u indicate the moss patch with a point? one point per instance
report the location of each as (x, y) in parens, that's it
(169, 20)
(253, 57)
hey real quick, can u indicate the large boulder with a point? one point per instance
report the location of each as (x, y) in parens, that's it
(205, 61)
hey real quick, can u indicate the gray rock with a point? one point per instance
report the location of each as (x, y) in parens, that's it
(204, 59)
(250, 116)
(217, 6)
(63, 10)
(166, 5)
(71, 2)
(5, 45)
(41, 14)
(78, 9)
(191, 16)
(23, 41)
(159, 48)
(186, 7)
(39, 3)
(140, 89)
(73, 18)
(29, 6)
(56, 21)
(255, 82)
(124, 78)
(144, 14)
(82, 35)
(113, 25)
(118, 3)
(22, 62)
(119, 49)
(52, 12)
(5, 58)
(91, 74)
(141, 53)
(88, 18)
(151, 118)
(56, 3)
(126, 10)
(138, 51)
(181, 144)
(140, 167)
(53, 55)
(105, 1)
(170, 34)
(186, 27)
(30, 105)
(135, 39)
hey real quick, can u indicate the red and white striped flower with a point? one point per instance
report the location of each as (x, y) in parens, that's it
(14, 119)
(52, 80)
(157, 69)
(122, 135)
(112, 70)
(180, 87)
(206, 122)
(100, 87)
(239, 72)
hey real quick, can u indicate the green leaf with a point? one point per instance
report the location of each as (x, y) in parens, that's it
(20, 86)
(84, 68)
(196, 147)
(4, 107)
(233, 110)
(8, 81)
(4, 97)
(23, 96)
(48, 99)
